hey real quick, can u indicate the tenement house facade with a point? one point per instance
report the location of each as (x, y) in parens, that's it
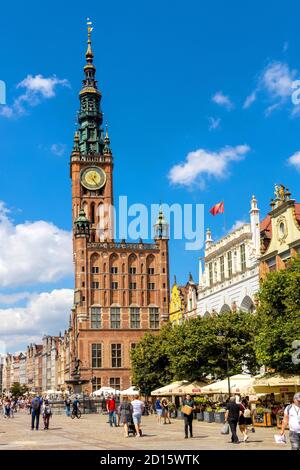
(230, 279)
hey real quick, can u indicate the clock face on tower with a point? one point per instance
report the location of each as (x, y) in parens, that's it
(93, 178)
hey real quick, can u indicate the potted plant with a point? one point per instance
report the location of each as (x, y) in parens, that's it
(220, 415)
(209, 415)
(200, 406)
(179, 413)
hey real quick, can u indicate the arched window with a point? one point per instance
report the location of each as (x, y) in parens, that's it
(247, 304)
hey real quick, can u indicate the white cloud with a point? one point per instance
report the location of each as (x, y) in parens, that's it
(9, 299)
(36, 88)
(58, 149)
(237, 224)
(222, 100)
(249, 100)
(294, 160)
(44, 313)
(275, 82)
(214, 123)
(35, 252)
(204, 163)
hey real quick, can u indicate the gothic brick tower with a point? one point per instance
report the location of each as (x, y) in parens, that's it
(121, 289)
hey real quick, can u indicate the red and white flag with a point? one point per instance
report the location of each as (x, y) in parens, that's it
(217, 209)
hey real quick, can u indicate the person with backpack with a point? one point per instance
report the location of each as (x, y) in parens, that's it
(47, 413)
(126, 411)
(36, 405)
(292, 419)
(68, 406)
(245, 419)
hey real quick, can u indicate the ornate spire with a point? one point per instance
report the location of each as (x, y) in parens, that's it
(89, 53)
(106, 148)
(82, 225)
(161, 228)
(90, 115)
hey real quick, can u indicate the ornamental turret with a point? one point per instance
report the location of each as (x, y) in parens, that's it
(161, 228)
(90, 115)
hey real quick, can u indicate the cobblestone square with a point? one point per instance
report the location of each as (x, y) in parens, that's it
(92, 432)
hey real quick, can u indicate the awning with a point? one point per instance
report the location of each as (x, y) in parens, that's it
(240, 383)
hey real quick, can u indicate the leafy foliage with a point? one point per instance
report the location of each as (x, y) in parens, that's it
(17, 389)
(278, 319)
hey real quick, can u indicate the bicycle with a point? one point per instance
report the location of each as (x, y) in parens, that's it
(76, 413)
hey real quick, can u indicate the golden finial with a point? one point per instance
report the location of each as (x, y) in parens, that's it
(89, 54)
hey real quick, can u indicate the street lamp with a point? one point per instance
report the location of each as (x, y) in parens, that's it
(221, 335)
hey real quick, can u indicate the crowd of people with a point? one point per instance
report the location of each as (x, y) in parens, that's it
(128, 411)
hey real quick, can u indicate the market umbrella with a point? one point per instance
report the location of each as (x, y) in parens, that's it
(191, 388)
(131, 391)
(106, 391)
(240, 383)
(168, 389)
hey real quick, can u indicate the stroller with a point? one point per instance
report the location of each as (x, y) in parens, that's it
(131, 429)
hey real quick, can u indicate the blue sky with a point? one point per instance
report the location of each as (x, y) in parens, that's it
(175, 77)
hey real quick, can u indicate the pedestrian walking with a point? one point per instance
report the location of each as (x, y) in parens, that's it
(47, 413)
(111, 408)
(138, 408)
(68, 406)
(245, 419)
(166, 412)
(36, 405)
(232, 416)
(158, 409)
(291, 418)
(126, 411)
(188, 406)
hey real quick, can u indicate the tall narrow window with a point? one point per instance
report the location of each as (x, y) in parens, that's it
(210, 273)
(116, 355)
(96, 317)
(151, 286)
(96, 383)
(222, 269)
(96, 355)
(154, 317)
(229, 263)
(114, 285)
(243, 257)
(115, 317)
(92, 213)
(114, 270)
(135, 321)
(115, 383)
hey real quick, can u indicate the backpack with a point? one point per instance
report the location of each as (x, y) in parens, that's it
(47, 410)
(247, 413)
(36, 404)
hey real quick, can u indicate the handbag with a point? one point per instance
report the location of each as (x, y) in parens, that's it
(186, 409)
(225, 429)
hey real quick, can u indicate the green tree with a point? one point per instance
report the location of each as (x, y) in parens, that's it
(150, 362)
(278, 319)
(17, 389)
(204, 346)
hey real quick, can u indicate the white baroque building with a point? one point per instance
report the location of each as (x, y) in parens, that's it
(230, 278)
